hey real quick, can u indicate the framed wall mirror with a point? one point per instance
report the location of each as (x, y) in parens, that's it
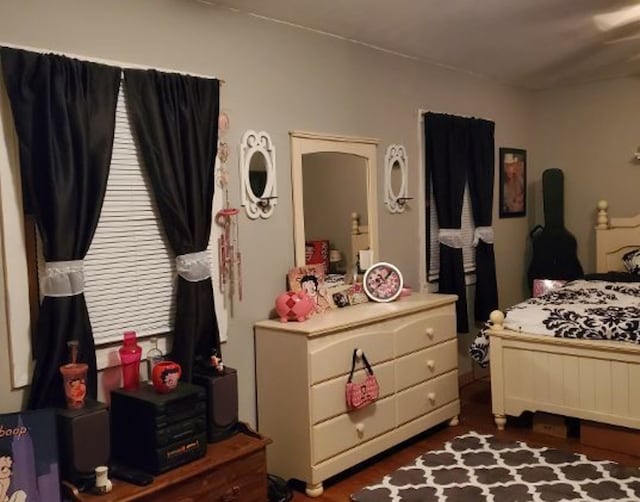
(258, 174)
(395, 179)
(334, 197)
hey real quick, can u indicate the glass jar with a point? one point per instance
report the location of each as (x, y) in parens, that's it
(154, 356)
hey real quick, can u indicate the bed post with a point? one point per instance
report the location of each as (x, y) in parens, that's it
(603, 216)
(602, 226)
(497, 371)
(355, 224)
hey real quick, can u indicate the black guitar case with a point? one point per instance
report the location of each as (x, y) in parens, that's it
(554, 248)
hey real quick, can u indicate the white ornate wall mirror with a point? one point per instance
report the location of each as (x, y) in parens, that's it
(395, 179)
(332, 178)
(258, 174)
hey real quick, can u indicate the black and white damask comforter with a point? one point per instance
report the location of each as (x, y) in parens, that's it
(594, 310)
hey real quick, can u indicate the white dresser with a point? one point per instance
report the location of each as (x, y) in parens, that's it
(302, 369)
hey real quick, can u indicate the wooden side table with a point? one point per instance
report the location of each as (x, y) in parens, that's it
(232, 470)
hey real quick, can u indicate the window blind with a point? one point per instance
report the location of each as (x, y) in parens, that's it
(468, 228)
(129, 269)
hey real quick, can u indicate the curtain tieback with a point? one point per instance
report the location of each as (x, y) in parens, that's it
(63, 278)
(482, 233)
(451, 237)
(194, 267)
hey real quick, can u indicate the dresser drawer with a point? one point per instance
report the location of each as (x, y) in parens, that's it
(351, 429)
(331, 357)
(328, 398)
(426, 364)
(425, 330)
(243, 480)
(426, 397)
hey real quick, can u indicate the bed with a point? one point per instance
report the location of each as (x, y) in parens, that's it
(596, 380)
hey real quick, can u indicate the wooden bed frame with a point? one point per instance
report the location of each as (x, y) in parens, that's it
(593, 380)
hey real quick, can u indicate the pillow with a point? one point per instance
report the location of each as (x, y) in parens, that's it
(631, 261)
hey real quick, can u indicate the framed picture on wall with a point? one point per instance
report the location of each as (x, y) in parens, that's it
(513, 182)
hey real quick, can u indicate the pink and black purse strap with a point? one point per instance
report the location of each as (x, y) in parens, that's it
(353, 365)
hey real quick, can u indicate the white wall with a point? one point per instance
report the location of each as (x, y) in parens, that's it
(278, 79)
(591, 132)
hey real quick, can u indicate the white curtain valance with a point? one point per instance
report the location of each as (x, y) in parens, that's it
(63, 278)
(194, 267)
(483, 233)
(451, 237)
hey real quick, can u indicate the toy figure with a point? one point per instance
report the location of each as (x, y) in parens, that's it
(310, 285)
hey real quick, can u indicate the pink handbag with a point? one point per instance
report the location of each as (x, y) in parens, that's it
(360, 394)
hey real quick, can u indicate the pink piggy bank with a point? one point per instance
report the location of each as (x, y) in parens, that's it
(294, 306)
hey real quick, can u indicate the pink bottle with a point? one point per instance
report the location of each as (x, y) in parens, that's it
(130, 355)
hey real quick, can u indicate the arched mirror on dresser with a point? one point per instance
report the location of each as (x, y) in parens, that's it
(335, 197)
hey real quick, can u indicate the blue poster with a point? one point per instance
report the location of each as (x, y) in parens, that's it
(29, 457)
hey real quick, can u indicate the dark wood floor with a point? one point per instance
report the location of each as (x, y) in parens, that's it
(475, 415)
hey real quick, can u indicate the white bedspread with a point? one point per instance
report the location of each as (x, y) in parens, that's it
(582, 309)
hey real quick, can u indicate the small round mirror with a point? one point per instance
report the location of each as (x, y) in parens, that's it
(258, 174)
(396, 179)
(258, 179)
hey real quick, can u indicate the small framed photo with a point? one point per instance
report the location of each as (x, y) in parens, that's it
(310, 280)
(317, 252)
(513, 182)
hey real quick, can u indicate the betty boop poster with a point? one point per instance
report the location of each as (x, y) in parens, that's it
(29, 457)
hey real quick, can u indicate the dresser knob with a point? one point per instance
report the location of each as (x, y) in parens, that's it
(359, 353)
(359, 427)
(431, 397)
(431, 364)
(429, 332)
(230, 495)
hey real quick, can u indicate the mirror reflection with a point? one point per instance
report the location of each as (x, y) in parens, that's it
(258, 174)
(334, 187)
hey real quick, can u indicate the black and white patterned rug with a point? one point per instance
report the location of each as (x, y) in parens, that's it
(477, 467)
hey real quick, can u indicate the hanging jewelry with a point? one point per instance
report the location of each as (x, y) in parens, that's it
(229, 257)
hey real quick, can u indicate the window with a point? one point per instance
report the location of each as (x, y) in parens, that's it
(129, 270)
(468, 251)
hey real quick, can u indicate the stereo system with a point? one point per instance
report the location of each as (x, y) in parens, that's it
(156, 432)
(222, 401)
(147, 430)
(84, 442)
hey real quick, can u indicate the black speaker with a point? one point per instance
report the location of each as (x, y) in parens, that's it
(83, 439)
(222, 401)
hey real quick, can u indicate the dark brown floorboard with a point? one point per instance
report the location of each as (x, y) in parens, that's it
(475, 415)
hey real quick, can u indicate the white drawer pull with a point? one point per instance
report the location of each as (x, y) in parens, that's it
(431, 364)
(429, 332)
(359, 353)
(431, 397)
(360, 428)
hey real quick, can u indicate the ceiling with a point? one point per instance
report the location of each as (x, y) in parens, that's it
(527, 43)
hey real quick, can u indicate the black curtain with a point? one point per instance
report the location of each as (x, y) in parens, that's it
(175, 119)
(481, 175)
(64, 114)
(447, 157)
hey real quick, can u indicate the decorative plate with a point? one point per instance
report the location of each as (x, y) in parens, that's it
(382, 282)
